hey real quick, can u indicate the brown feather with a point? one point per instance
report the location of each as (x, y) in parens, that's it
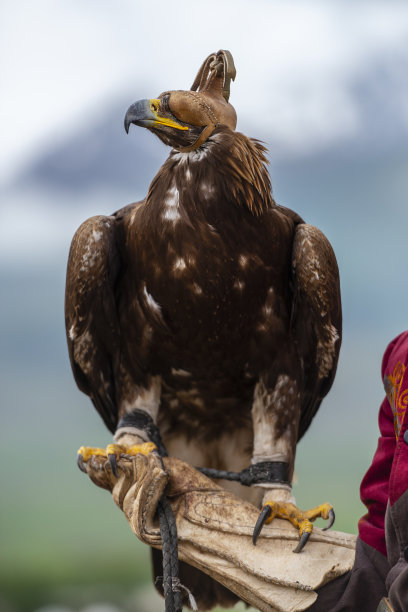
(211, 286)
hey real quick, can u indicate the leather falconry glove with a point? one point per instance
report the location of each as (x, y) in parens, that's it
(215, 533)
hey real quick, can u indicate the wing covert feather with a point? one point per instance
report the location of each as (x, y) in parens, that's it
(90, 313)
(316, 315)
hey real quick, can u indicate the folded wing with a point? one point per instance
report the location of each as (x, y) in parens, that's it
(91, 315)
(316, 316)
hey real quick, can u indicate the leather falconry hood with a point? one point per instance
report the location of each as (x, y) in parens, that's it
(206, 104)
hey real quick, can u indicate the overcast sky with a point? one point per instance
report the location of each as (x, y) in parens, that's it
(297, 62)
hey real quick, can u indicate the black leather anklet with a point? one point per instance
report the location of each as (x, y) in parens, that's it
(141, 420)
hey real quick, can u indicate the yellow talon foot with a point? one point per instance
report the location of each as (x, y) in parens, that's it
(301, 520)
(142, 449)
(112, 453)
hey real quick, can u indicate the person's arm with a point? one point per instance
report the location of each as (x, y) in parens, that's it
(374, 489)
(362, 589)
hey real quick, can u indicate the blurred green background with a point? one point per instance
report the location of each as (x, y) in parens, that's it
(324, 85)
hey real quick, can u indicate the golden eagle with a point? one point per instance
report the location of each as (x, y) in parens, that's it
(206, 311)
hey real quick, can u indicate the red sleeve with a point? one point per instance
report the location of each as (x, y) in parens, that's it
(374, 488)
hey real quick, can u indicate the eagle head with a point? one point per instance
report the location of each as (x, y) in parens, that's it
(184, 120)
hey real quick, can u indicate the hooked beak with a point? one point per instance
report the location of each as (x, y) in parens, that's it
(146, 114)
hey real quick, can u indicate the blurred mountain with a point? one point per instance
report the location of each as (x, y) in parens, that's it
(99, 154)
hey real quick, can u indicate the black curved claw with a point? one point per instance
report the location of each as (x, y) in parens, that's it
(332, 517)
(80, 463)
(262, 518)
(114, 465)
(302, 542)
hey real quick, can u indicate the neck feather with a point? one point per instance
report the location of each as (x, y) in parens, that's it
(228, 167)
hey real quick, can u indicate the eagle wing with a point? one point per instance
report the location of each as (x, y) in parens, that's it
(91, 314)
(316, 316)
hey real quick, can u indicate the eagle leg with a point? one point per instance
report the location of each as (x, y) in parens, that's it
(302, 520)
(112, 453)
